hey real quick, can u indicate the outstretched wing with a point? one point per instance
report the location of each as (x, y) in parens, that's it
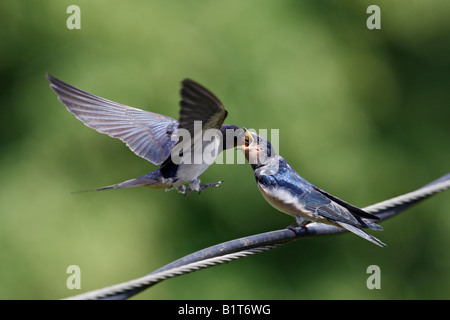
(146, 133)
(199, 104)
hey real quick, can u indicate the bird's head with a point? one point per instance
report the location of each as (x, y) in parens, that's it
(257, 150)
(232, 136)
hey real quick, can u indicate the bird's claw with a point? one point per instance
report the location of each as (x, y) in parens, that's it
(293, 226)
(202, 188)
(207, 185)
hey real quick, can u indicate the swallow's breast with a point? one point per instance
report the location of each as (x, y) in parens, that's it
(198, 161)
(285, 202)
(189, 172)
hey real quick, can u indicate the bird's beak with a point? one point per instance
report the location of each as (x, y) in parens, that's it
(248, 139)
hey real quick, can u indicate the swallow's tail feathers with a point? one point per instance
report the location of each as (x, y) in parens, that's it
(150, 180)
(141, 181)
(371, 225)
(361, 233)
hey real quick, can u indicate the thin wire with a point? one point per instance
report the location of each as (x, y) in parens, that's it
(384, 209)
(407, 198)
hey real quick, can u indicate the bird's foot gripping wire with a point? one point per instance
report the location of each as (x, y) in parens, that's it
(293, 227)
(300, 222)
(203, 187)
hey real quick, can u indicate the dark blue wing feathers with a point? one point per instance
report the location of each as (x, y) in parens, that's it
(147, 134)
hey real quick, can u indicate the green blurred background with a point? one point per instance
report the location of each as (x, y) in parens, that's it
(363, 114)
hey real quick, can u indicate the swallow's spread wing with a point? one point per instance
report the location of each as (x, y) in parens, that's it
(146, 133)
(199, 104)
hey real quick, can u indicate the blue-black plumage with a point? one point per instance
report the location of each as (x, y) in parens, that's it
(288, 192)
(154, 137)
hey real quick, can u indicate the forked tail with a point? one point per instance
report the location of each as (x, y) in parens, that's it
(152, 180)
(361, 233)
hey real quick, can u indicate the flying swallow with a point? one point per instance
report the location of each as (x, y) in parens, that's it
(153, 136)
(285, 190)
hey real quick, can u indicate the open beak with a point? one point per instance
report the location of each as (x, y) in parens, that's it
(248, 139)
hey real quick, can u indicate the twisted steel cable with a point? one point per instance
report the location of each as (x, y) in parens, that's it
(152, 278)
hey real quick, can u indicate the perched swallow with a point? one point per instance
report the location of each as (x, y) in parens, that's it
(154, 136)
(285, 190)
